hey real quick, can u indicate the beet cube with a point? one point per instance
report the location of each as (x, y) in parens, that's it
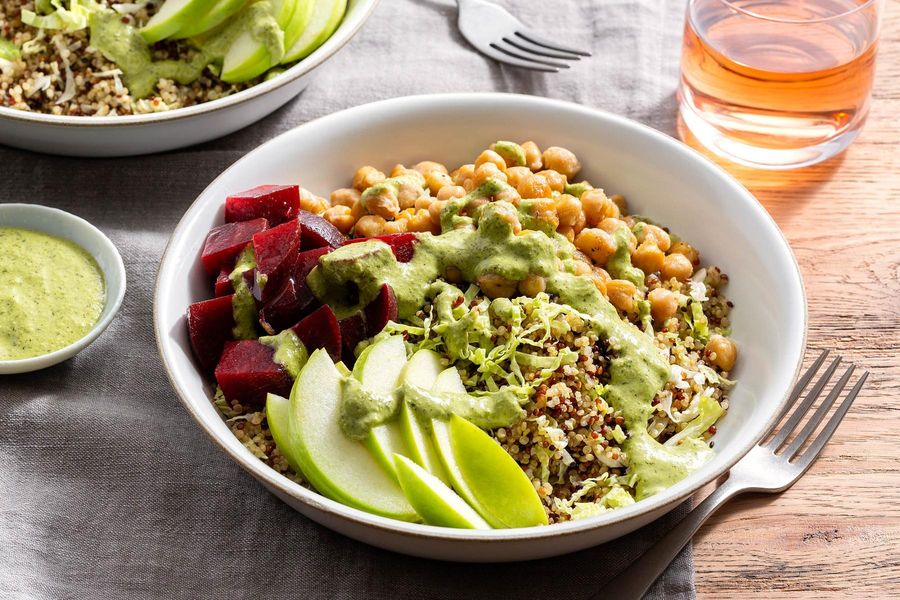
(223, 283)
(286, 307)
(276, 254)
(353, 331)
(381, 310)
(320, 329)
(276, 203)
(225, 242)
(247, 371)
(317, 232)
(210, 324)
(307, 261)
(402, 244)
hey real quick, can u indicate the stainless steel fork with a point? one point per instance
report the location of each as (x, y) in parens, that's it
(764, 469)
(497, 34)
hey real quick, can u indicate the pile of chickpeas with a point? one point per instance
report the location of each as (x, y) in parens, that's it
(588, 221)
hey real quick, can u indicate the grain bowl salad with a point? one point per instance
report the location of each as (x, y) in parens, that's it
(500, 345)
(105, 58)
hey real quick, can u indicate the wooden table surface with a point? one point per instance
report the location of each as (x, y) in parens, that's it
(836, 532)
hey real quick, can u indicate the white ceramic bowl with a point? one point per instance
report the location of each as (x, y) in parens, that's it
(67, 226)
(660, 177)
(143, 134)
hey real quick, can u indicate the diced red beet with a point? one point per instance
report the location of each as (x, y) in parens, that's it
(381, 310)
(402, 244)
(307, 261)
(286, 307)
(247, 371)
(320, 329)
(277, 203)
(223, 283)
(353, 331)
(225, 242)
(276, 254)
(317, 232)
(209, 324)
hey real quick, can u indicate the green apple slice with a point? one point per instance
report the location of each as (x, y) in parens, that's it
(449, 380)
(422, 370)
(247, 58)
(436, 503)
(378, 368)
(325, 18)
(215, 15)
(278, 413)
(486, 476)
(299, 22)
(172, 16)
(337, 466)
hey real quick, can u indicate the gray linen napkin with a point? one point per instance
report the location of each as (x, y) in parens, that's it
(109, 490)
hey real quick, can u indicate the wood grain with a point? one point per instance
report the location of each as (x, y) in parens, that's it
(836, 532)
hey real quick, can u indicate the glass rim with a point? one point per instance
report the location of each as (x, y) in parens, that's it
(756, 15)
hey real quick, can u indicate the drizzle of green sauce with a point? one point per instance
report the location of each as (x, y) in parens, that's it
(243, 307)
(52, 294)
(290, 352)
(484, 242)
(619, 264)
(123, 44)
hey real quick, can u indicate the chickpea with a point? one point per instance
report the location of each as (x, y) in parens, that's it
(401, 171)
(463, 173)
(369, 226)
(555, 180)
(581, 267)
(406, 213)
(597, 244)
(398, 226)
(340, 216)
(677, 266)
(655, 235)
(561, 160)
(532, 285)
(496, 286)
(489, 156)
(366, 177)
(420, 221)
(434, 211)
(423, 202)
(515, 175)
(567, 232)
(357, 210)
(312, 203)
(345, 197)
(407, 193)
(648, 258)
(532, 156)
(569, 210)
(469, 184)
(597, 207)
(435, 180)
(610, 225)
(508, 213)
(453, 274)
(619, 201)
(488, 171)
(687, 250)
(663, 304)
(721, 352)
(535, 186)
(544, 211)
(448, 192)
(510, 195)
(580, 222)
(429, 166)
(600, 282)
(384, 203)
(621, 294)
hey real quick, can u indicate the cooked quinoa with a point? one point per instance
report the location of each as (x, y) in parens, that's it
(59, 73)
(568, 440)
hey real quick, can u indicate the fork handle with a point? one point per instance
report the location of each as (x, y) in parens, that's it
(637, 578)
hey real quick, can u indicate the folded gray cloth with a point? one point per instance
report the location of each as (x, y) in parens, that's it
(109, 490)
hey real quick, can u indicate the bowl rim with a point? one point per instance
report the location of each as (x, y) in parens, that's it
(671, 496)
(114, 296)
(340, 38)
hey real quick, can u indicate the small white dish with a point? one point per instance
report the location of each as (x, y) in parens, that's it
(75, 229)
(661, 178)
(129, 135)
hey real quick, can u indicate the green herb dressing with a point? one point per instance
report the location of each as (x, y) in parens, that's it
(350, 277)
(290, 352)
(52, 294)
(243, 306)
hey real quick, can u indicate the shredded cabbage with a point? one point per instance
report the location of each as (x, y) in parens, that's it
(709, 412)
(8, 50)
(698, 322)
(71, 18)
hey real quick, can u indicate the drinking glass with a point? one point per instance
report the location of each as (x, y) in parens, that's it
(778, 84)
